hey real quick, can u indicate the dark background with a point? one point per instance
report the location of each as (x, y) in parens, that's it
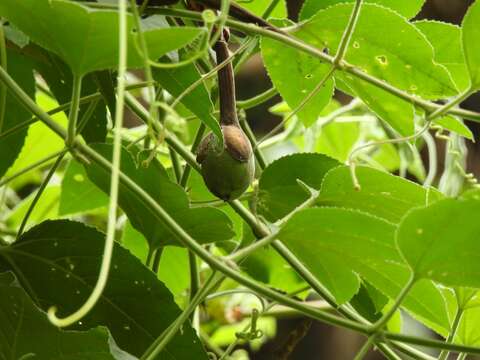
(321, 341)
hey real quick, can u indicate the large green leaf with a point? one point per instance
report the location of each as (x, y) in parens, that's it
(446, 40)
(337, 243)
(79, 194)
(204, 224)
(87, 39)
(20, 69)
(279, 191)
(59, 262)
(198, 100)
(384, 195)
(440, 242)
(471, 46)
(401, 56)
(28, 333)
(295, 75)
(407, 8)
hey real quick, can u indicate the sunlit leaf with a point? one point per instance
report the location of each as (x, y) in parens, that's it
(440, 242)
(381, 194)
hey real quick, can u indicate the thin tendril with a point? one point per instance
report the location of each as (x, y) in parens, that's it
(111, 226)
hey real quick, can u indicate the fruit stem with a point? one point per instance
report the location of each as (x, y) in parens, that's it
(226, 86)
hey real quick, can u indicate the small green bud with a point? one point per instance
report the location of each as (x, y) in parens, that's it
(230, 170)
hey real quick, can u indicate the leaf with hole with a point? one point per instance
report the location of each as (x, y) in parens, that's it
(401, 56)
(296, 75)
(59, 262)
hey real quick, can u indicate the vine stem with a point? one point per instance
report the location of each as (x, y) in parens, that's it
(159, 344)
(30, 167)
(74, 108)
(347, 34)
(40, 192)
(114, 184)
(83, 100)
(453, 331)
(376, 327)
(3, 64)
(365, 348)
(258, 99)
(146, 63)
(214, 262)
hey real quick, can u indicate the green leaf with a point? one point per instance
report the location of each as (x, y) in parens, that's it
(154, 180)
(407, 8)
(198, 101)
(401, 56)
(456, 125)
(336, 244)
(468, 331)
(471, 47)
(279, 191)
(446, 40)
(295, 75)
(40, 142)
(384, 195)
(79, 194)
(258, 7)
(440, 242)
(29, 333)
(20, 69)
(60, 260)
(337, 139)
(86, 39)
